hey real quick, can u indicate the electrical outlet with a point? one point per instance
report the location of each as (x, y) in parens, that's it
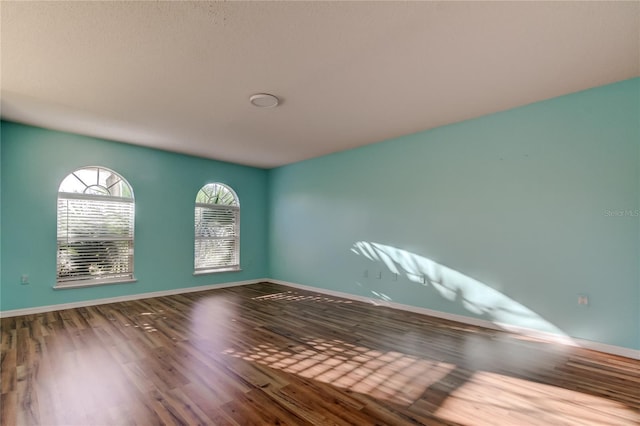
(366, 273)
(24, 279)
(583, 299)
(395, 276)
(379, 275)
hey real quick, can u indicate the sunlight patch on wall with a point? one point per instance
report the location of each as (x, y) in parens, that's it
(474, 296)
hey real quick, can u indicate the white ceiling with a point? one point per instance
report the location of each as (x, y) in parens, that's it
(178, 75)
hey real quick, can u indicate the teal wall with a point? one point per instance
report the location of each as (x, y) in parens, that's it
(507, 218)
(33, 163)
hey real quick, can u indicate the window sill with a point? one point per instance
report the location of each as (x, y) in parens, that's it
(215, 271)
(61, 286)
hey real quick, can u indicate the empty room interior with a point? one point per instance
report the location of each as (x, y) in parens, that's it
(320, 213)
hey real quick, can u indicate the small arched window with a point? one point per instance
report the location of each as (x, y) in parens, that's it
(95, 228)
(217, 230)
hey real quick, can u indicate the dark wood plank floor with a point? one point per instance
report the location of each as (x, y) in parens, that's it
(268, 354)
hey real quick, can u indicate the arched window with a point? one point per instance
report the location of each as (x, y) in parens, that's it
(95, 228)
(217, 229)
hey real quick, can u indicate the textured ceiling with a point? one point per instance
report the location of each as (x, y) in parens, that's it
(177, 75)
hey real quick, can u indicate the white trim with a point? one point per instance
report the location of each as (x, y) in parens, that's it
(93, 197)
(83, 283)
(216, 271)
(218, 206)
(571, 341)
(529, 332)
(84, 303)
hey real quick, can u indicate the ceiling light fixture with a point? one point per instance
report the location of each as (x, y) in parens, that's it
(264, 100)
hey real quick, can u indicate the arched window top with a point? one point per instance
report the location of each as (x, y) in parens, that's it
(218, 194)
(96, 181)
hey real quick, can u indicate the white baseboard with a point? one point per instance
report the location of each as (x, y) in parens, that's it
(129, 297)
(529, 332)
(587, 344)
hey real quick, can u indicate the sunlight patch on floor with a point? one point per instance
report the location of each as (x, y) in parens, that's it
(517, 401)
(390, 376)
(291, 296)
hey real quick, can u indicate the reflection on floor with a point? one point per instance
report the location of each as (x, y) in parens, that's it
(269, 354)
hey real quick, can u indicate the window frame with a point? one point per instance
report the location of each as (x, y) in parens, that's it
(207, 269)
(124, 245)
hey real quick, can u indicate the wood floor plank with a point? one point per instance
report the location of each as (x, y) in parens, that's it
(270, 354)
(9, 408)
(256, 408)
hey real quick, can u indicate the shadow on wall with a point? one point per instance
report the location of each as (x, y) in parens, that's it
(474, 296)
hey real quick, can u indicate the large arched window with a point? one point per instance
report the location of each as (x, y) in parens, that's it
(95, 228)
(217, 229)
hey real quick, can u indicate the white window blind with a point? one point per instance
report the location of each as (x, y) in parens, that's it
(95, 235)
(217, 236)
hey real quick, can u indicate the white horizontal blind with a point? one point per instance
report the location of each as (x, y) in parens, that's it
(95, 238)
(217, 237)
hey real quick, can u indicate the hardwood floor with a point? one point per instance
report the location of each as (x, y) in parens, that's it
(269, 354)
